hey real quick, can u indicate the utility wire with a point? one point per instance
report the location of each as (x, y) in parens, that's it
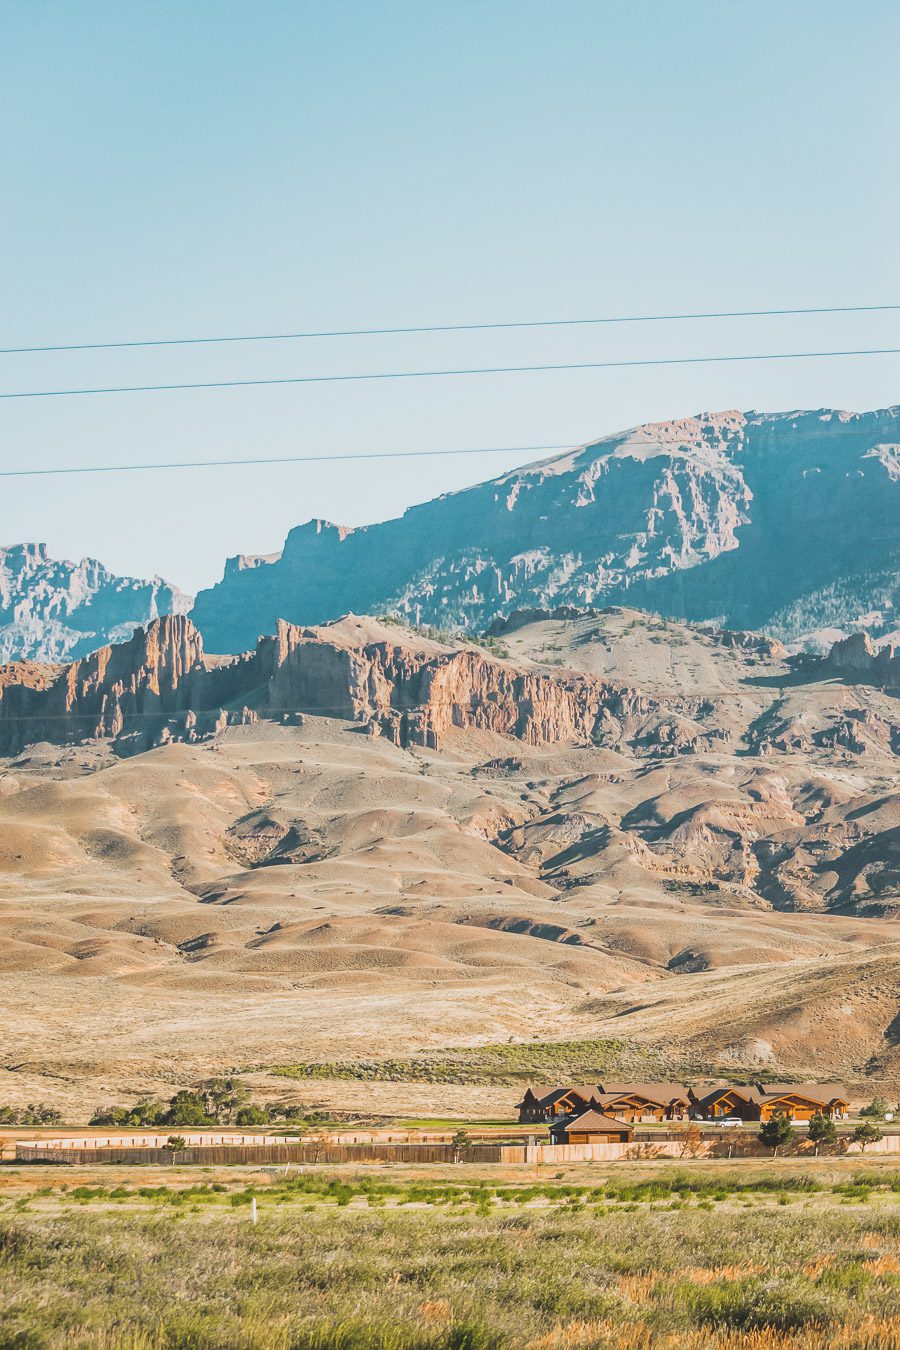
(431, 374)
(281, 459)
(444, 328)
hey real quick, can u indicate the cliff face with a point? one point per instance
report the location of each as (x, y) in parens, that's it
(59, 611)
(160, 686)
(857, 658)
(785, 521)
(157, 674)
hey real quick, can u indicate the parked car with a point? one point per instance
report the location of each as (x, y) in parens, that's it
(728, 1122)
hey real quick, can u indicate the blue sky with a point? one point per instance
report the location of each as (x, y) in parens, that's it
(174, 169)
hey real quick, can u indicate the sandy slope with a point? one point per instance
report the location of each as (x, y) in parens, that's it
(288, 893)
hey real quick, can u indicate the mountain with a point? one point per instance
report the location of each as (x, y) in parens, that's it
(787, 522)
(676, 842)
(58, 611)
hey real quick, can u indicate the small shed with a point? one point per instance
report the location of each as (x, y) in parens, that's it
(591, 1127)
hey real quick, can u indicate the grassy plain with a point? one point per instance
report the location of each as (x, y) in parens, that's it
(392, 1258)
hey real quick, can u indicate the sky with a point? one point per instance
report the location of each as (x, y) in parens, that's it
(215, 168)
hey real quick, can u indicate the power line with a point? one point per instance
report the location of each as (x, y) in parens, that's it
(445, 328)
(432, 374)
(281, 459)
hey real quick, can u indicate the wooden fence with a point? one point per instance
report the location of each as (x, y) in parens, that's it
(261, 1153)
(223, 1149)
(737, 1146)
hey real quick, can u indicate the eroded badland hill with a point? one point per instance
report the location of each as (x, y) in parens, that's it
(359, 841)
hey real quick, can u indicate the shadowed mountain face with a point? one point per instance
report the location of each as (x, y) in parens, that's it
(59, 611)
(788, 522)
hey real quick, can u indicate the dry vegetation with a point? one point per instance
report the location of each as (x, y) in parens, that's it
(696, 1257)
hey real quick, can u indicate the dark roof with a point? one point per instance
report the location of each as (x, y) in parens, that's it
(816, 1092)
(590, 1121)
(746, 1094)
(821, 1093)
(555, 1094)
(587, 1094)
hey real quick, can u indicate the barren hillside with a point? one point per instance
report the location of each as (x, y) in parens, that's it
(357, 841)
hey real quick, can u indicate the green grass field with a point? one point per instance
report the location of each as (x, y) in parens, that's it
(387, 1258)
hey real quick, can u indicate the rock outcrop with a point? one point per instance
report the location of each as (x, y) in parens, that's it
(858, 659)
(161, 686)
(786, 522)
(59, 611)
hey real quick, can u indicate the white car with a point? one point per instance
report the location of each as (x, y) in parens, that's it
(729, 1122)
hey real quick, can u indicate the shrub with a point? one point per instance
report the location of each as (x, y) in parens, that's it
(775, 1131)
(39, 1114)
(252, 1115)
(866, 1133)
(822, 1129)
(757, 1304)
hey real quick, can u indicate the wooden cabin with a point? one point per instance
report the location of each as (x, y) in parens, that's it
(627, 1101)
(797, 1101)
(728, 1101)
(591, 1127)
(537, 1107)
(829, 1099)
(646, 1101)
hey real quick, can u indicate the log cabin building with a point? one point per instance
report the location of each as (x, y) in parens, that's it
(537, 1106)
(635, 1103)
(797, 1101)
(646, 1101)
(628, 1101)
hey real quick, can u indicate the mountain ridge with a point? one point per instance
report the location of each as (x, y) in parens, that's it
(777, 521)
(56, 610)
(786, 523)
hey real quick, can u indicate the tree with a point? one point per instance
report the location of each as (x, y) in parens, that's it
(175, 1143)
(691, 1138)
(187, 1108)
(775, 1131)
(283, 1111)
(459, 1143)
(876, 1110)
(40, 1114)
(221, 1098)
(866, 1133)
(147, 1111)
(9, 1115)
(252, 1115)
(822, 1129)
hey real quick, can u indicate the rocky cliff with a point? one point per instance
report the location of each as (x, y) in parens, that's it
(402, 685)
(787, 522)
(58, 611)
(858, 659)
(160, 686)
